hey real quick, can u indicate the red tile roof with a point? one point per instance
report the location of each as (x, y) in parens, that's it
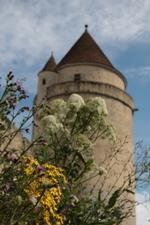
(50, 65)
(85, 50)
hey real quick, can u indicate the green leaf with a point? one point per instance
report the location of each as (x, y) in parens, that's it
(113, 199)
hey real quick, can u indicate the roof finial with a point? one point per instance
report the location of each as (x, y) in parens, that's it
(86, 27)
(52, 53)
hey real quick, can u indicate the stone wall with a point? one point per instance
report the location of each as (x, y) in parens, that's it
(98, 81)
(92, 72)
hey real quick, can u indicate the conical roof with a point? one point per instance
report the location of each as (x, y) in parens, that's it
(85, 50)
(50, 65)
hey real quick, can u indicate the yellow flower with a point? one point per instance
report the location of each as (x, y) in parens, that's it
(45, 190)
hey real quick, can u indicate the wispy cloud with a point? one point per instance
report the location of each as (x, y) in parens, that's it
(142, 73)
(31, 29)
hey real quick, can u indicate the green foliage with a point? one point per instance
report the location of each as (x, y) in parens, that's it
(69, 130)
(113, 199)
(19, 205)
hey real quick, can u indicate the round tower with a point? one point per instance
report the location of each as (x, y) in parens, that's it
(87, 71)
(46, 77)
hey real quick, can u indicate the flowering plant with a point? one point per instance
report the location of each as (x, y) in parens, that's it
(30, 192)
(44, 181)
(70, 129)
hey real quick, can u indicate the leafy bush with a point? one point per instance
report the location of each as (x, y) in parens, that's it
(30, 192)
(44, 181)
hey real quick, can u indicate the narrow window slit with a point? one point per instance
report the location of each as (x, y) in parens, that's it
(43, 81)
(77, 77)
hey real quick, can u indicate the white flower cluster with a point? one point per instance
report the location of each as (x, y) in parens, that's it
(62, 118)
(59, 108)
(82, 144)
(50, 123)
(112, 133)
(98, 104)
(80, 141)
(74, 200)
(76, 101)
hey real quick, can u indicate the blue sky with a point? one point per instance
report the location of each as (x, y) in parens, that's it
(31, 29)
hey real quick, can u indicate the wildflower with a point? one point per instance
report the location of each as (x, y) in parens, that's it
(81, 142)
(30, 165)
(112, 133)
(45, 189)
(74, 200)
(59, 109)
(76, 101)
(40, 168)
(50, 122)
(97, 104)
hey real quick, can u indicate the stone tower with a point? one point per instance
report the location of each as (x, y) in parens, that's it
(86, 70)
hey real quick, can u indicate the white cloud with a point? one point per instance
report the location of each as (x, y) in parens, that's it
(143, 209)
(31, 28)
(127, 20)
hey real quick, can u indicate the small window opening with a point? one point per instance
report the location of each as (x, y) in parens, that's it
(77, 77)
(43, 81)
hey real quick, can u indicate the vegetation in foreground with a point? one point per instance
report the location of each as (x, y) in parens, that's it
(41, 181)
